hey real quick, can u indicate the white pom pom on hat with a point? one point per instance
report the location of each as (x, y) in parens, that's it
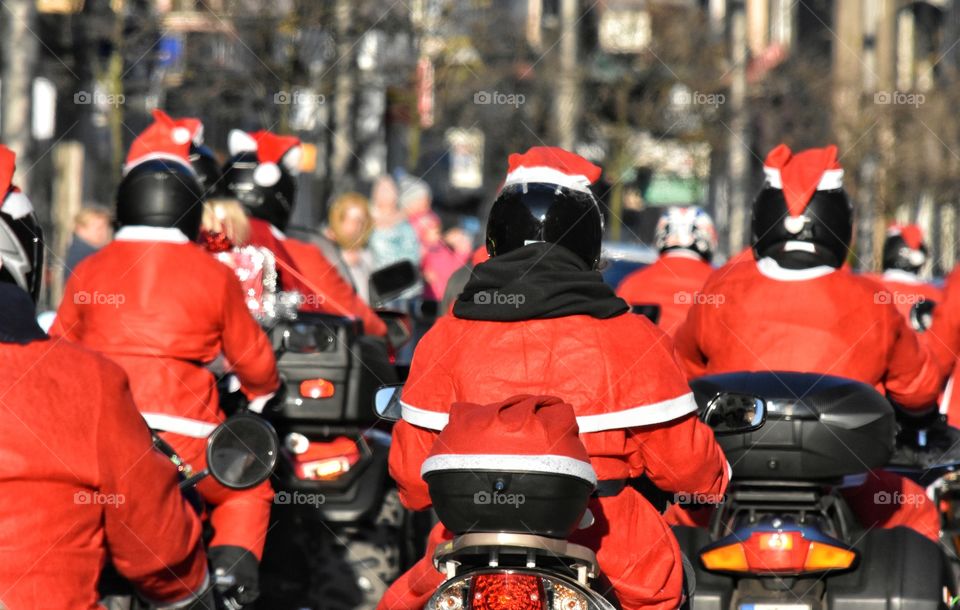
(267, 174)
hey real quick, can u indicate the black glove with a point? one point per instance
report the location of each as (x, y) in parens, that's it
(236, 575)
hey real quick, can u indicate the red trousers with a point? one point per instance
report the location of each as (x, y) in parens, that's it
(635, 549)
(238, 517)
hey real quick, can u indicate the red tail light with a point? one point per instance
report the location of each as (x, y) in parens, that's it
(784, 552)
(507, 592)
(325, 460)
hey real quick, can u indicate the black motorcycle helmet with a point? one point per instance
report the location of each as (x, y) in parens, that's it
(546, 212)
(827, 229)
(273, 204)
(161, 193)
(21, 246)
(898, 254)
(205, 164)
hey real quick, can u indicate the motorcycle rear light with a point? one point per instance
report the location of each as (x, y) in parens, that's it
(507, 591)
(325, 460)
(777, 552)
(316, 388)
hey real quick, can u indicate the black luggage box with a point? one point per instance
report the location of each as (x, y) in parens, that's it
(818, 427)
(318, 346)
(475, 501)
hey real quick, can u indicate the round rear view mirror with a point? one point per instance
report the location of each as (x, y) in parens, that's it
(242, 451)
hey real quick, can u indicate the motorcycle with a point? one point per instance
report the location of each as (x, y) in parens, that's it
(784, 537)
(338, 535)
(521, 558)
(241, 454)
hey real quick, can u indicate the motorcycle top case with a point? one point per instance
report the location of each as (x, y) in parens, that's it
(333, 349)
(818, 427)
(485, 501)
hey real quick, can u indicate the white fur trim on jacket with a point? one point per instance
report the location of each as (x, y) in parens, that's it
(644, 415)
(559, 464)
(172, 235)
(194, 428)
(771, 269)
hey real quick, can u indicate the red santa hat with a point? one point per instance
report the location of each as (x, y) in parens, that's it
(524, 433)
(912, 236)
(13, 202)
(801, 175)
(551, 165)
(167, 139)
(272, 150)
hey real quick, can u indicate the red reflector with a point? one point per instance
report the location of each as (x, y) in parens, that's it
(316, 388)
(507, 592)
(776, 551)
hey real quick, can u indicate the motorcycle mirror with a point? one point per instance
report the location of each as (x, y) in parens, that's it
(386, 402)
(242, 451)
(732, 413)
(921, 315)
(393, 280)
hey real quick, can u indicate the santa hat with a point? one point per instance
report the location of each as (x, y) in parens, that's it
(13, 203)
(272, 151)
(800, 176)
(551, 165)
(480, 255)
(166, 139)
(912, 236)
(524, 433)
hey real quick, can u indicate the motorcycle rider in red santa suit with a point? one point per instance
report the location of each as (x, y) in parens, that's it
(538, 319)
(262, 175)
(904, 255)
(80, 479)
(794, 309)
(686, 239)
(158, 305)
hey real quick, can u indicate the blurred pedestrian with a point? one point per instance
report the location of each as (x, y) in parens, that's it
(349, 224)
(92, 230)
(416, 200)
(441, 257)
(392, 238)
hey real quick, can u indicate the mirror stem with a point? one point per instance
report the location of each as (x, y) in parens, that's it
(194, 479)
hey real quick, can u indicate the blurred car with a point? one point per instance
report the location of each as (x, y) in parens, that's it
(619, 259)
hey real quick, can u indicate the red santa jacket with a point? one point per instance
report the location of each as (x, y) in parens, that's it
(304, 268)
(943, 340)
(79, 479)
(757, 316)
(672, 282)
(337, 296)
(635, 413)
(161, 307)
(906, 289)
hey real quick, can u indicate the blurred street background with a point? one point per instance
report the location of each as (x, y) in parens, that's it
(678, 100)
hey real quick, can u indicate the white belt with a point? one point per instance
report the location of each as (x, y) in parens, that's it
(180, 425)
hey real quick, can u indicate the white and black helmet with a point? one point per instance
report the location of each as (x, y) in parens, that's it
(21, 237)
